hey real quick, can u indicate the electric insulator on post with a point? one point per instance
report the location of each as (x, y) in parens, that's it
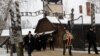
(80, 9)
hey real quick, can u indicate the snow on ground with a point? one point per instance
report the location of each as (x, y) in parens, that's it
(3, 51)
(24, 32)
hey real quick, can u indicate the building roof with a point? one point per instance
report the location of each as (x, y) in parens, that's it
(44, 25)
(24, 32)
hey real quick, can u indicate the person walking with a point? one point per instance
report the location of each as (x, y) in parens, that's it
(91, 37)
(51, 41)
(38, 42)
(43, 41)
(29, 43)
(67, 42)
(64, 43)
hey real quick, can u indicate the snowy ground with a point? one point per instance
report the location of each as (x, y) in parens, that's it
(3, 52)
(57, 52)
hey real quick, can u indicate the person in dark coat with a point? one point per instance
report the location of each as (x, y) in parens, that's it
(43, 41)
(38, 42)
(29, 43)
(51, 41)
(91, 37)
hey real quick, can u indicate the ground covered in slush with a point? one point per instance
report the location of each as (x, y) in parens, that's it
(59, 53)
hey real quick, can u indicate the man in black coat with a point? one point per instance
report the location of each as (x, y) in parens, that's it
(51, 40)
(43, 41)
(38, 42)
(29, 43)
(91, 37)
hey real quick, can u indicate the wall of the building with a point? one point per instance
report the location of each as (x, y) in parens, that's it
(59, 36)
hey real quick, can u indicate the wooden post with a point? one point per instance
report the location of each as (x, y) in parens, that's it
(93, 16)
(19, 39)
(16, 28)
(72, 18)
(11, 32)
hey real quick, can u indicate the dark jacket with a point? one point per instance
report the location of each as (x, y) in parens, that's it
(29, 42)
(52, 38)
(91, 36)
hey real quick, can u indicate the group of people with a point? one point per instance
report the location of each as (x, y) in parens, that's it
(68, 40)
(37, 42)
